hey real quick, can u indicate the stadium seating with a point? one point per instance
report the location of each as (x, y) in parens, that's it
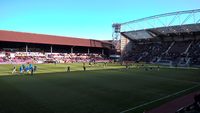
(177, 53)
(8, 56)
(194, 53)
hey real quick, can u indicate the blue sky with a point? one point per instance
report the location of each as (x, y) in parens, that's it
(81, 18)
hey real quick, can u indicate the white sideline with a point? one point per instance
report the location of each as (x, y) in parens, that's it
(160, 99)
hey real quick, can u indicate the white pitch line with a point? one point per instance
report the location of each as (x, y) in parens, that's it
(159, 99)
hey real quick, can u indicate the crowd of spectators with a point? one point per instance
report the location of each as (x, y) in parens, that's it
(174, 52)
(147, 52)
(7, 57)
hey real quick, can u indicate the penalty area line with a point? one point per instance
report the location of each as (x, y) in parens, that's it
(168, 96)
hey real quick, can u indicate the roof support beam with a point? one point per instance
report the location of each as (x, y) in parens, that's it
(102, 51)
(26, 48)
(161, 22)
(198, 21)
(188, 17)
(72, 49)
(163, 15)
(88, 50)
(172, 20)
(51, 49)
(151, 34)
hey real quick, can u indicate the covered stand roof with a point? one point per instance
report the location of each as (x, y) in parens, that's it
(163, 31)
(175, 23)
(11, 36)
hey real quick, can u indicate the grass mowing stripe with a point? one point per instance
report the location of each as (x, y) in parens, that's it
(168, 96)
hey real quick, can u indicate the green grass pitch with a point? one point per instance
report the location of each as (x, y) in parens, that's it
(98, 90)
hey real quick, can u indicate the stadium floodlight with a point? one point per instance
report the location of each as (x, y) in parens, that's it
(116, 34)
(116, 27)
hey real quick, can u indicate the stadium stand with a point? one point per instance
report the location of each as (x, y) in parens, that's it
(39, 57)
(173, 52)
(154, 40)
(17, 47)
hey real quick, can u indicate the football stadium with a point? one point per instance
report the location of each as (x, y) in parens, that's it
(152, 65)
